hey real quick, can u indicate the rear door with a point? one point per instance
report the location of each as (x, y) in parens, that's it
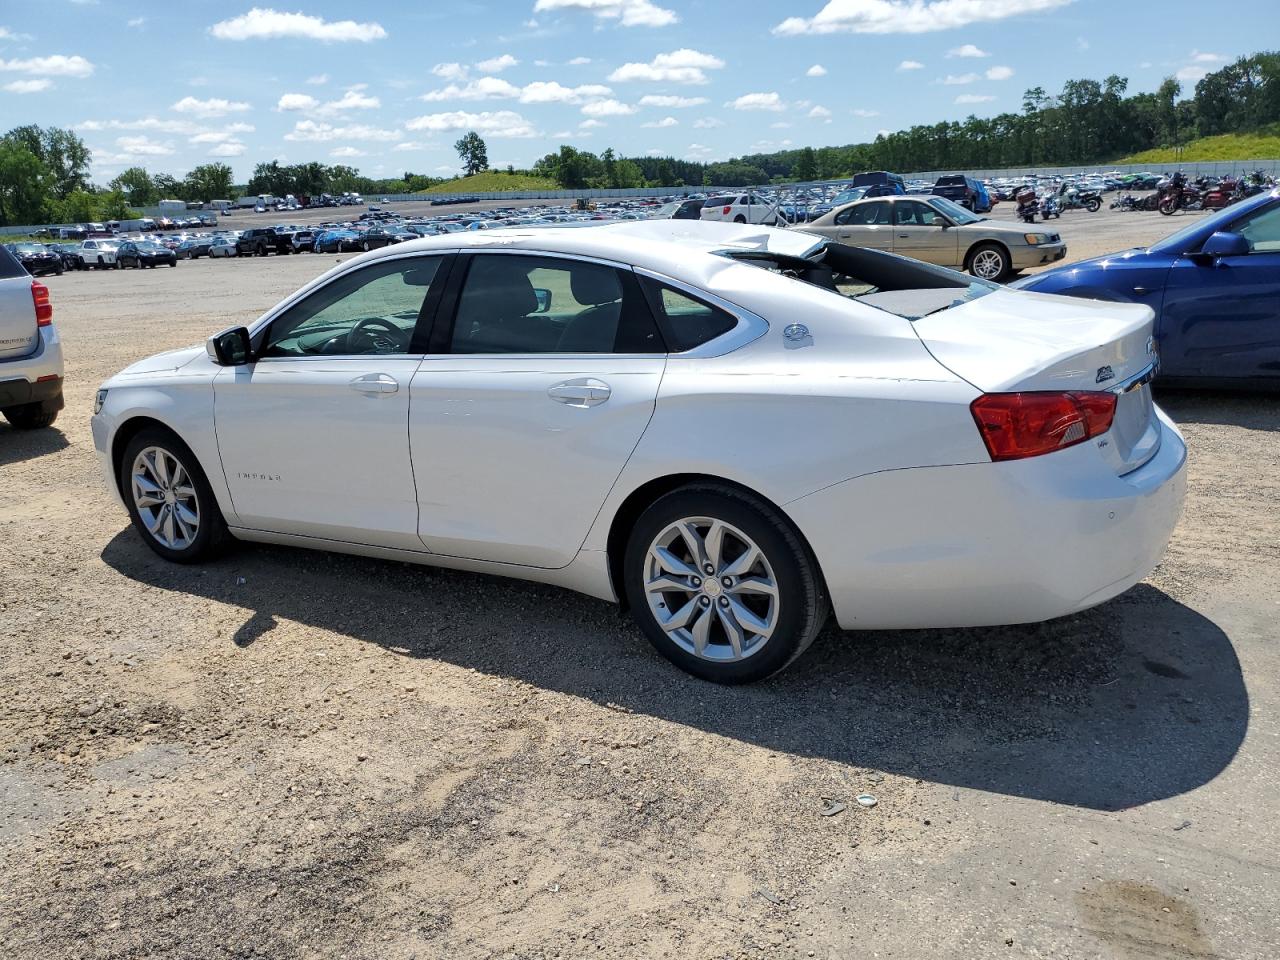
(1221, 317)
(18, 331)
(922, 233)
(529, 405)
(868, 223)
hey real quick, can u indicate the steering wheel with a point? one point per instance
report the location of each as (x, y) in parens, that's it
(387, 339)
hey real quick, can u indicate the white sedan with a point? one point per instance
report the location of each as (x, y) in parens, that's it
(731, 429)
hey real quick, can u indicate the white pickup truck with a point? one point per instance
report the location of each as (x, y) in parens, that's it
(30, 351)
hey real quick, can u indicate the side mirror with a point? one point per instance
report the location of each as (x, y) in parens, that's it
(1225, 244)
(544, 299)
(230, 348)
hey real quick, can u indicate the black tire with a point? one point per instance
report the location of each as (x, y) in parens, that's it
(173, 263)
(802, 599)
(58, 271)
(739, 219)
(1094, 205)
(1005, 264)
(211, 536)
(32, 416)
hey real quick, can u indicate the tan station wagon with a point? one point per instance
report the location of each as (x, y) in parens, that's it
(936, 230)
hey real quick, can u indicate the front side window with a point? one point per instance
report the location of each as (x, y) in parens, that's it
(370, 311)
(686, 321)
(517, 304)
(1262, 230)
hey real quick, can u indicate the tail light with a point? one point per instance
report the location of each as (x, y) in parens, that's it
(1017, 425)
(44, 306)
(726, 211)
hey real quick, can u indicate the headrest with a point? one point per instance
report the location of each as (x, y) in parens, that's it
(594, 285)
(500, 287)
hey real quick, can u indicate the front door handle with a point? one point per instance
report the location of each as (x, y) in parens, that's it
(1140, 290)
(580, 392)
(372, 383)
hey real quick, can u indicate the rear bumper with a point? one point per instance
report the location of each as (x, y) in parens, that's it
(15, 393)
(36, 377)
(993, 543)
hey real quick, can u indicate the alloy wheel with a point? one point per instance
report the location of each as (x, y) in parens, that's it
(988, 264)
(165, 498)
(711, 589)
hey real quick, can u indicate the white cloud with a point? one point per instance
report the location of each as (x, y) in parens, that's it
(908, 16)
(859, 112)
(951, 80)
(231, 148)
(449, 71)
(7, 34)
(678, 66)
(974, 98)
(238, 128)
(608, 108)
(630, 13)
(184, 127)
(213, 107)
(1000, 73)
(967, 50)
(548, 91)
(497, 64)
(817, 70)
(1199, 57)
(143, 147)
(697, 151)
(579, 61)
(319, 80)
(52, 66)
(312, 131)
(267, 24)
(819, 113)
(135, 22)
(911, 65)
(211, 136)
(1191, 74)
(297, 101)
(347, 152)
(500, 123)
(28, 86)
(708, 123)
(665, 100)
(485, 88)
(591, 124)
(660, 124)
(539, 91)
(758, 101)
(353, 99)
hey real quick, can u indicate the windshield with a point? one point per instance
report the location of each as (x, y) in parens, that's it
(848, 196)
(28, 248)
(897, 285)
(953, 210)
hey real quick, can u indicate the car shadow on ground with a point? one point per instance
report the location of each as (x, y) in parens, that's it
(19, 445)
(1138, 700)
(1252, 411)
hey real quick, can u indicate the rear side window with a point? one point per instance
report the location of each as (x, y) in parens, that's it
(9, 265)
(686, 321)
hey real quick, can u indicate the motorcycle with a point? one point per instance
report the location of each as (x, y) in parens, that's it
(1126, 203)
(1028, 205)
(1177, 195)
(1080, 200)
(1049, 207)
(1221, 194)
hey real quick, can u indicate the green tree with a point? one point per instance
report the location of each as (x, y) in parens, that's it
(209, 181)
(23, 185)
(61, 152)
(137, 185)
(473, 153)
(806, 167)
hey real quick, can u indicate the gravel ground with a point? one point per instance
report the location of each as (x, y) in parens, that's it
(288, 754)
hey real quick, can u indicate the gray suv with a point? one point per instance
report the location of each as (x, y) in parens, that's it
(30, 351)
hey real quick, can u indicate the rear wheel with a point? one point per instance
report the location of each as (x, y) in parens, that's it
(989, 261)
(169, 499)
(1094, 205)
(32, 416)
(721, 585)
(739, 219)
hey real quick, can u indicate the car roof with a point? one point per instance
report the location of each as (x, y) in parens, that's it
(668, 247)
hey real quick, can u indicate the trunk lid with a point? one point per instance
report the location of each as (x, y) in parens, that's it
(1016, 341)
(19, 334)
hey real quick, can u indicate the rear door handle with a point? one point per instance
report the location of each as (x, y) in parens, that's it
(1140, 290)
(580, 392)
(375, 383)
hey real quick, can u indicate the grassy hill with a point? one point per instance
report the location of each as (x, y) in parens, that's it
(493, 181)
(1263, 144)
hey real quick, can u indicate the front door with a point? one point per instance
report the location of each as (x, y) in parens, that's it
(314, 434)
(521, 427)
(923, 233)
(1221, 317)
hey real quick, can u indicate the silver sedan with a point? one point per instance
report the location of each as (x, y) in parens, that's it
(936, 230)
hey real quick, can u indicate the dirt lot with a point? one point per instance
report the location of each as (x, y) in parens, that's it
(294, 755)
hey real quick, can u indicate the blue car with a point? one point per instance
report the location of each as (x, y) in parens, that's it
(1215, 290)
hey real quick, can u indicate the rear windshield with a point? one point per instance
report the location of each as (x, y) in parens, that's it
(907, 288)
(950, 182)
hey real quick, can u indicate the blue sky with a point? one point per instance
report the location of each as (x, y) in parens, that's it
(390, 86)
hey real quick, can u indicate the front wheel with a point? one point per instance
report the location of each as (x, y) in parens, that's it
(989, 262)
(1093, 206)
(1168, 207)
(169, 500)
(721, 585)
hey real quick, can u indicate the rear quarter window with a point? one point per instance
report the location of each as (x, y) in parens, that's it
(686, 321)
